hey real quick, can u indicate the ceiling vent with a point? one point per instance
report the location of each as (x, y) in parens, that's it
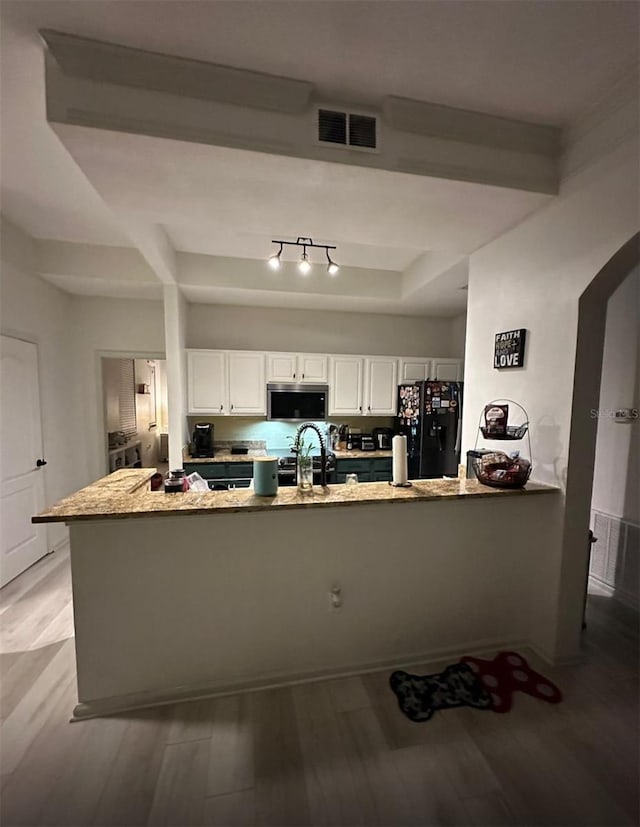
(352, 130)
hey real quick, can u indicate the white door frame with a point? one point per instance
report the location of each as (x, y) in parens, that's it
(114, 354)
(592, 317)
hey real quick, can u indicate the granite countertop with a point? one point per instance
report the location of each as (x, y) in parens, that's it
(356, 453)
(223, 455)
(222, 451)
(121, 496)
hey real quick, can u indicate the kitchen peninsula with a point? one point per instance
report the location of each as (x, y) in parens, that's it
(183, 595)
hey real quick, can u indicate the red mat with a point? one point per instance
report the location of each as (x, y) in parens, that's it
(507, 673)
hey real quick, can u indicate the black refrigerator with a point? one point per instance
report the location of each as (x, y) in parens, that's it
(430, 416)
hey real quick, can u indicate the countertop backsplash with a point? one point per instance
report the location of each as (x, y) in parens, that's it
(242, 429)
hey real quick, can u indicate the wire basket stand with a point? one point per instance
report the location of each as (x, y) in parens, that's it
(514, 433)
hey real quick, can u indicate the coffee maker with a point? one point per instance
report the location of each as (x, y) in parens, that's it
(202, 440)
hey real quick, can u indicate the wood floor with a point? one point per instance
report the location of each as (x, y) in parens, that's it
(327, 753)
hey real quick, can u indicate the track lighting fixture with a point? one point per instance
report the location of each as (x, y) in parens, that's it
(304, 265)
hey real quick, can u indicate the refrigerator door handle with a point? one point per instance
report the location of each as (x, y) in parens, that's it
(458, 442)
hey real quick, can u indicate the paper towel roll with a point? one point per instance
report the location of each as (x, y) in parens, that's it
(399, 446)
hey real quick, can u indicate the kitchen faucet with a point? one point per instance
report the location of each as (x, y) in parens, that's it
(323, 451)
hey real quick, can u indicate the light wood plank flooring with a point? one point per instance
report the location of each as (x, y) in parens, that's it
(332, 752)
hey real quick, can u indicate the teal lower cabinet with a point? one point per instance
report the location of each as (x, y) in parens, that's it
(240, 470)
(376, 469)
(220, 470)
(208, 470)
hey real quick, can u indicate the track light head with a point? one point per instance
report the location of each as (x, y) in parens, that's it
(332, 267)
(274, 261)
(304, 265)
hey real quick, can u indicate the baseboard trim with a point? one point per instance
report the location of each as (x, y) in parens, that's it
(62, 544)
(102, 707)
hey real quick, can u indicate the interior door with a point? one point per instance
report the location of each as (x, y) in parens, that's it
(22, 479)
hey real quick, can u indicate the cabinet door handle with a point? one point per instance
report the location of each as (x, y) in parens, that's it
(369, 407)
(232, 407)
(221, 408)
(360, 407)
(294, 376)
(41, 462)
(303, 375)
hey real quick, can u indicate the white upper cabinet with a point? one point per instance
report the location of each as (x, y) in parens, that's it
(293, 367)
(345, 385)
(381, 386)
(233, 383)
(247, 384)
(313, 368)
(449, 370)
(414, 370)
(282, 367)
(207, 382)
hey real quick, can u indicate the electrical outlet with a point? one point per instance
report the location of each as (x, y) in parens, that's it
(335, 598)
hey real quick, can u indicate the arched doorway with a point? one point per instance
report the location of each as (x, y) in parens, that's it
(592, 314)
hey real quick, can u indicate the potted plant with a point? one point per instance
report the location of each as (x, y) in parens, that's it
(304, 463)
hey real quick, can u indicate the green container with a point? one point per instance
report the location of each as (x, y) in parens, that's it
(265, 476)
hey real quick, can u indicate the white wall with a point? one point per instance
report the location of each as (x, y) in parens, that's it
(533, 277)
(39, 312)
(458, 335)
(314, 331)
(107, 327)
(615, 481)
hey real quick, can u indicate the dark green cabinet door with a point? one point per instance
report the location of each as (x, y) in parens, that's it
(375, 469)
(382, 476)
(207, 470)
(240, 470)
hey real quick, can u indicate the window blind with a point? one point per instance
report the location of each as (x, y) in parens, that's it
(127, 398)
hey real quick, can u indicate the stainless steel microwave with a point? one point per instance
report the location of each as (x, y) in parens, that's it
(297, 402)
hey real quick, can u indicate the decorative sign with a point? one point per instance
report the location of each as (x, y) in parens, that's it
(509, 349)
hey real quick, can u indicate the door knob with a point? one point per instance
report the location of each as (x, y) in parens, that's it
(41, 462)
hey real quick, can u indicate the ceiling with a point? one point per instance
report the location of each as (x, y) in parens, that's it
(539, 61)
